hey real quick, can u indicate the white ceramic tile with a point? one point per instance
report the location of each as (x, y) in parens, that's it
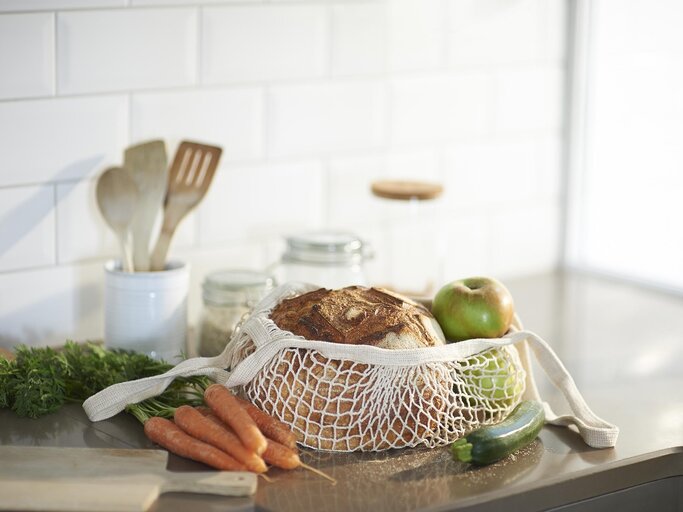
(189, 2)
(438, 108)
(27, 227)
(52, 305)
(491, 173)
(325, 117)
(60, 139)
(82, 232)
(490, 32)
(555, 30)
(26, 55)
(469, 245)
(358, 39)
(416, 34)
(49, 5)
(550, 167)
(529, 100)
(126, 49)
(232, 119)
(259, 201)
(525, 239)
(351, 203)
(243, 43)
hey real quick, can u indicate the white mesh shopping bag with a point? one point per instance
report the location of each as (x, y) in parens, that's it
(356, 397)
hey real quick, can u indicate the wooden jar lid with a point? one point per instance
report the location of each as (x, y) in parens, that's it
(405, 190)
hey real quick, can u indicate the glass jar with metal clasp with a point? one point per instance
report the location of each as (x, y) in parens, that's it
(331, 259)
(228, 296)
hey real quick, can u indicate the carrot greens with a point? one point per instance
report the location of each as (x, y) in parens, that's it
(40, 381)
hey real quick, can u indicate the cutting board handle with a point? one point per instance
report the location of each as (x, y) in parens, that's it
(225, 483)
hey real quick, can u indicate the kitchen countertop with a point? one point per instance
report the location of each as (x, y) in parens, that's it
(624, 347)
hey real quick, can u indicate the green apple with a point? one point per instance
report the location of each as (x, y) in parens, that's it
(492, 375)
(476, 307)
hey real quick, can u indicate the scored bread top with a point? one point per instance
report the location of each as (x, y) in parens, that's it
(359, 316)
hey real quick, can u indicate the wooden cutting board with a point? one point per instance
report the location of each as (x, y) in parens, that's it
(99, 479)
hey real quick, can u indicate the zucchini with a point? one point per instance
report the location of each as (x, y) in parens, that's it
(491, 443)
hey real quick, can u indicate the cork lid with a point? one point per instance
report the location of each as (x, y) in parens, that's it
(405, 190)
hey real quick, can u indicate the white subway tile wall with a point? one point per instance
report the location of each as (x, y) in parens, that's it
(441, 108)
(27, 225)
(326, 118)
(114, 50)
(250, 43)
(311, 101)
(29, 72)
(359, 39)
(51, 140)
(46, 5)
(231, 118)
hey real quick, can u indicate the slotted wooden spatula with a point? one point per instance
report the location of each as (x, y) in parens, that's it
(189, 178)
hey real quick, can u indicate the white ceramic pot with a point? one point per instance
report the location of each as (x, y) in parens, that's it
(147, 311)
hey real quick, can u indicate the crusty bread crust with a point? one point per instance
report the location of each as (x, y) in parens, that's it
(359, 316)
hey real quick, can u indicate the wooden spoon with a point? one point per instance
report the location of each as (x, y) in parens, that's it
(117, 199)
(189, 178)
(148, 165)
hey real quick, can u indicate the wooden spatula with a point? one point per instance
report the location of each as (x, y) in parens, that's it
(99, 479)
(147, 164)
(189, 178)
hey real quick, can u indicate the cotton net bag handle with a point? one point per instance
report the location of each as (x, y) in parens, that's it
(595, 431)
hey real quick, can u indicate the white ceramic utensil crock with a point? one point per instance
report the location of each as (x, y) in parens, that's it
(147, 311)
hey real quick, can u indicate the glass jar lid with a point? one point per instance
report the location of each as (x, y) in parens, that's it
(236, 286)
(326, 248)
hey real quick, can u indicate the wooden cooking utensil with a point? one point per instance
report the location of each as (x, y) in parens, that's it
(117, 199)
(191, 173)
(147, 163)
(98, 479)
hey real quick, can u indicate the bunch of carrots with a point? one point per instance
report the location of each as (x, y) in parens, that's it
(230, 434)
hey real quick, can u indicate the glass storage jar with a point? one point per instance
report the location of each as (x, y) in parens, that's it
(332, 259)
(228, 295)
(414, 232)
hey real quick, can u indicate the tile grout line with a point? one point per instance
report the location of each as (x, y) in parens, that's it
(199, 71)
(265, 118)
(379, 76)
(326, 191)
(56, 225)
(55, 92)
(265, 159)
(55, 39)
(196, 242)
(329, 41)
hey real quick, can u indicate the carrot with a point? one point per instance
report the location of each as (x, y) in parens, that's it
(276, 454)
(167, 434)
(284, 457)
(225, 405)
(271, 427)
(281, 456)
(200, 427)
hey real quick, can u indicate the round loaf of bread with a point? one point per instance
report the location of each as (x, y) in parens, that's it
(359, 316)
(335, 404)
